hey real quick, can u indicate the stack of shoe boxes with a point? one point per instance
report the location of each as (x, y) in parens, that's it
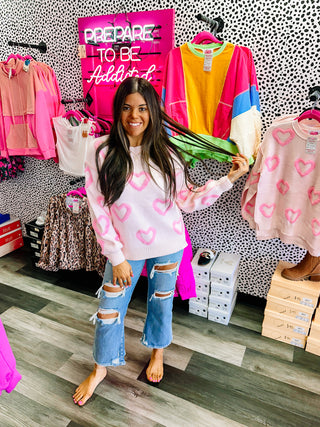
(290, 308)
(34, 236)
(201, 272)
(10, 235)
(313, 340)
(223, 288)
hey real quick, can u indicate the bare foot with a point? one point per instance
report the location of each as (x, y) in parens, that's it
(88, 386)
(155, 369)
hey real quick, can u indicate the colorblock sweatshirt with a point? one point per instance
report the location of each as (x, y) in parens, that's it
(142, 223)
(221, 105)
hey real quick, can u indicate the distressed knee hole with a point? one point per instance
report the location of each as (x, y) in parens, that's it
(108, 287)
(108, 316)
(166, 267)
(162, 295)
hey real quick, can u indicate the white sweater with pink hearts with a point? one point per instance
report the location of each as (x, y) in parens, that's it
(142, 224)
(281, 197)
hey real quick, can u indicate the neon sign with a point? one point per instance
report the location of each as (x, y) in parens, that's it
(115, 47)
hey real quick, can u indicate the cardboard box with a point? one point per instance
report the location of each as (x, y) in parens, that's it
(225, 269)
(11, 225)
(315, 330)
(289, 308)
(219, 290)
(11, 246)
(303, 292)
(8, 237)
(292, 338)
(317, 315)
(198, 309)
(202, 272)
(313, 346)
(286, 324)
(221, 316)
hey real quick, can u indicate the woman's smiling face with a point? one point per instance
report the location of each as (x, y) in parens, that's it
(135, 118)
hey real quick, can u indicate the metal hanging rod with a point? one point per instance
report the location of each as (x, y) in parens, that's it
(42, 47)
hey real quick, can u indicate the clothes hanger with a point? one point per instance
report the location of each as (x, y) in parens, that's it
(314, 111)
(206, 37)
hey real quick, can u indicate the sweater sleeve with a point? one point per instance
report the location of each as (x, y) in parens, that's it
(248, 197)
(107, 236)
(191, 199)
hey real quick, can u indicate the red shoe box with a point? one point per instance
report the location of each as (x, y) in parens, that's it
(11, 246)
(8, 226)
(10, 236)
(13, 235)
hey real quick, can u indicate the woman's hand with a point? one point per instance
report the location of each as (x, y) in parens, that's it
(122, 273)
(240, 167)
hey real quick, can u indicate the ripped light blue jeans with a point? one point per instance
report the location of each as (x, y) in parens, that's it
(109, 343)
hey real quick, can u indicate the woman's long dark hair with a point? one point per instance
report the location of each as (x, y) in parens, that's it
(156, 146)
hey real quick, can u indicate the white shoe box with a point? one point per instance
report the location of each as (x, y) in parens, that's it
(202, 272)
(220, 290)
(198, 309)
(223, 304)
(221, 316)
(203, 287)
(225, 269)
(201, 299)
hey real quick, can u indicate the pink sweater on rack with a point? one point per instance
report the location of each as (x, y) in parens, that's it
(281, 197)
(142, 224)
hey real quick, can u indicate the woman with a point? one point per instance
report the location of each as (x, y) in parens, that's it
(137, 182)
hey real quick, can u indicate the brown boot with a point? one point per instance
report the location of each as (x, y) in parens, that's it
(309, 267)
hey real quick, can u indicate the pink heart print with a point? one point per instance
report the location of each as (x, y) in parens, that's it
(139, 181)
(272, 163)
(283, 186)
(292, 215)
(314, 196)
(283, 137)
(267, 210)
(249, 208)
(122, 212)
(162, 206)
(88, 175)
(254, 180)
(315, 224)
(104, 222)
(178, 226)
(146, 237)
(183, 194)
(208, 200)
(304, 168)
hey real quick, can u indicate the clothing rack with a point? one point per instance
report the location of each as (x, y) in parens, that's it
(42, 47)
(216, 24)
(88, 100)
(314, 94)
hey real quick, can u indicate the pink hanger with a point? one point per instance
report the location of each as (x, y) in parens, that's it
(205, 38)
(73, 113)
(310, 114)
(75, 193)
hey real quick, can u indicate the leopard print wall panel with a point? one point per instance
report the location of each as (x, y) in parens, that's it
(284, 37)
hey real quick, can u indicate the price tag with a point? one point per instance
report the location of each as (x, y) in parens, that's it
(208, 56)
(75, 206)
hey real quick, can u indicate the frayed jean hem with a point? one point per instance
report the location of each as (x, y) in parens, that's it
(120, 363)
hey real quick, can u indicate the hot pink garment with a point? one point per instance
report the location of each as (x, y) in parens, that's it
(29, 99)
(9, 376)
(185, 285)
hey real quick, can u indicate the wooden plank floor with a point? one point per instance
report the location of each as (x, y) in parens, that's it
(215, 375)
